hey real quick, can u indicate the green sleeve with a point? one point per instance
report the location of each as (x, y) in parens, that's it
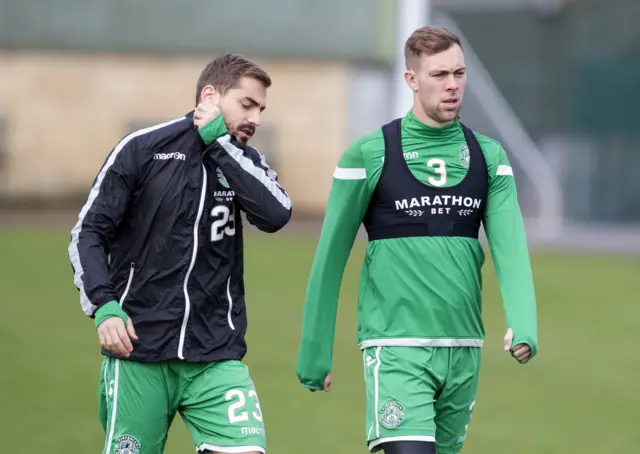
(505, 232)
(348, 201)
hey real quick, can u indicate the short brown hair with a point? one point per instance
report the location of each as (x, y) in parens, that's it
(428, 41)
(226, 71)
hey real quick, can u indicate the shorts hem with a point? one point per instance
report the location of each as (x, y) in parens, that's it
(230, 449)
(422, 342)
(373, 444)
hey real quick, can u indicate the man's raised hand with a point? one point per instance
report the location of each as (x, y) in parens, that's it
(206, 111)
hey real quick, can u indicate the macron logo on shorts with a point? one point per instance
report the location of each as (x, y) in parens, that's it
(167, 156)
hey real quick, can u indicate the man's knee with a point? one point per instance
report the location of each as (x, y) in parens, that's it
(409, 447)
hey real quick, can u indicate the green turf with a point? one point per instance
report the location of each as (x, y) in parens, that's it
(579, 396)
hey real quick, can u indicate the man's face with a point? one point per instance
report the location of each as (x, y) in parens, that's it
(242, 107)
(438, 82)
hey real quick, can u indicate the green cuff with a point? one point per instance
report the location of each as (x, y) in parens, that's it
(111, 309)
(212, 130)
(531, 343)
(310, 385)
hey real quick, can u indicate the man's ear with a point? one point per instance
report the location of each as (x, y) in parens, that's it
(208, 93)
(410, 78)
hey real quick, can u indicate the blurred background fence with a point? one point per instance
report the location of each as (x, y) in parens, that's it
(554, 81)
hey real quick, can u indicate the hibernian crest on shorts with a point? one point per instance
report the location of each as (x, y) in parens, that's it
(221, 178)
(464, 155)
(391, 414)
(126, 444)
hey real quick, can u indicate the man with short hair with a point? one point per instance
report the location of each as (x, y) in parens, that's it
(422, 185)
(157, 255)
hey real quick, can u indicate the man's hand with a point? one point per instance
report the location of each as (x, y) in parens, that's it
(327, 384)
(115, 338)
(521, 352)
(206, 111)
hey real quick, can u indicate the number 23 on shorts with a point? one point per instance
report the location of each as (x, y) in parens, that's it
(236, 410)
(225, 411)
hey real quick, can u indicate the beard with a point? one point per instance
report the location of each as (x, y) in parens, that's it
(244, 132)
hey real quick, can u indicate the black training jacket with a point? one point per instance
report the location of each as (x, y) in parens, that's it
(161, 233)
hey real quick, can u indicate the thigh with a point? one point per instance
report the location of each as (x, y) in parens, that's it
(135, 409)
(400, 396)
(221, 409)
(455, 405)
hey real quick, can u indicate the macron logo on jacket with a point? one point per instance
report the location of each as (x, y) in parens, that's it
(166, 156)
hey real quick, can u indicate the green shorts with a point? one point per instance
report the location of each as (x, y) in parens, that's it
(421, 394)
(217, 401)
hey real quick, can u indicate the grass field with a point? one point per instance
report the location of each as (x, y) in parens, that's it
(580, 395)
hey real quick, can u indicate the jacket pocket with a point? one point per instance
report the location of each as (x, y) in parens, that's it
(132, 271)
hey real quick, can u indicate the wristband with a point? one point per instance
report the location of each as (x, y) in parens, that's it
(212, 130)
(111, 309)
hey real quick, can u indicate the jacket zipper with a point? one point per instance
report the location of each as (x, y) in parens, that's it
(230, 304)
(132, 270)
(196, 230)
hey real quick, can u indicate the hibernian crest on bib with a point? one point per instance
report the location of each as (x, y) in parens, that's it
(464, 155)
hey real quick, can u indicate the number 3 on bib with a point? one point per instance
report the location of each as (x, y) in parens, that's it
(224, 222)
(440, 169)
